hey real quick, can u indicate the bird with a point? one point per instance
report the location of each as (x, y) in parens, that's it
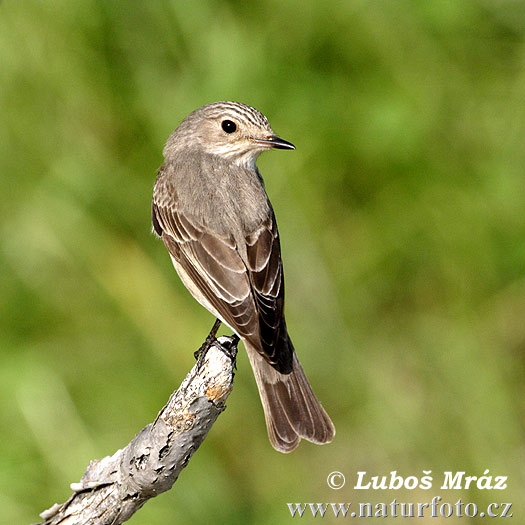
(211, 210)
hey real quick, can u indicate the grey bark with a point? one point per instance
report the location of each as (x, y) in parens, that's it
(113, 488)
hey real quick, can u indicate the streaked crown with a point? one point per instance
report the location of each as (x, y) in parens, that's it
(234, 110)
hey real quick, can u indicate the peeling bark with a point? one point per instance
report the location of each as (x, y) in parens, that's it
(113, 488)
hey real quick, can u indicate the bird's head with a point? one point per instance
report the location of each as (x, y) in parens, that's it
(227, 129)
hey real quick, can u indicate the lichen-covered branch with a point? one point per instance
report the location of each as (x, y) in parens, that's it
(113, 488)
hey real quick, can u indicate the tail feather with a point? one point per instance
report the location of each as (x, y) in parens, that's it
(291, 409)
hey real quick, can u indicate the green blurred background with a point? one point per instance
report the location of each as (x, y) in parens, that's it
(402, 219)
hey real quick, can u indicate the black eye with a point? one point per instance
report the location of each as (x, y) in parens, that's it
(229, 126)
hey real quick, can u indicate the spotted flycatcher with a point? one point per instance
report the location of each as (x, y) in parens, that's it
(211, 210)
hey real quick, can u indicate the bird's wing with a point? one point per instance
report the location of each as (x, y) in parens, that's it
(248, 294)
(265, 272)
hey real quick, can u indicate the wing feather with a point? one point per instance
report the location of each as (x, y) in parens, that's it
(243, 284)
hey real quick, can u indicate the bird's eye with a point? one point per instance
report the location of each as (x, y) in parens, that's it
(229, 126)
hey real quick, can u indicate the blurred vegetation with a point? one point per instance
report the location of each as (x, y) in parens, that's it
(402, 218)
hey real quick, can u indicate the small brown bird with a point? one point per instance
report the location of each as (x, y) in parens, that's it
(211, 210)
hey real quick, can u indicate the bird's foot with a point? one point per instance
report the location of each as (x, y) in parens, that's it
(229, 347)
(209, 341)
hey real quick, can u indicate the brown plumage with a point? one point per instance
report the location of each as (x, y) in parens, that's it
(211, 210)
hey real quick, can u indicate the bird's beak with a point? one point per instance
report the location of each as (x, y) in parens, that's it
(274, 141)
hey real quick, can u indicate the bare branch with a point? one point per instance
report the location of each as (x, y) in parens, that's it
(113, 488)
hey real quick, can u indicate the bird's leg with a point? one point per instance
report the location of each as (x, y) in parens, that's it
(209, 340)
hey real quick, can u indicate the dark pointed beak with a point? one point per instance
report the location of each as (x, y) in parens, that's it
(276, 142)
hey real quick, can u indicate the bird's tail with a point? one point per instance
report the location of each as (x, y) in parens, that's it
(291, 409)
